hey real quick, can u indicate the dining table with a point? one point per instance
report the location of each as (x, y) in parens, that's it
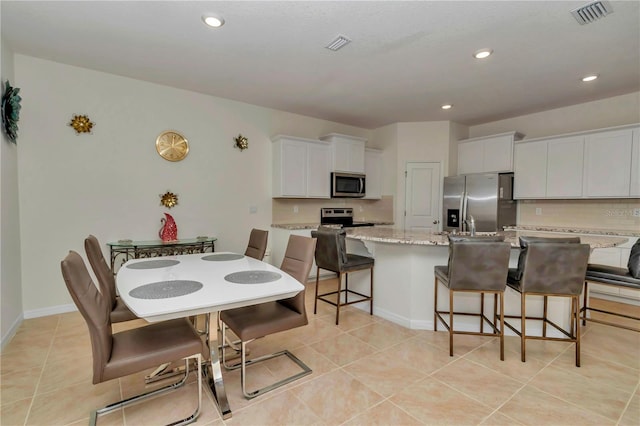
(190, 285)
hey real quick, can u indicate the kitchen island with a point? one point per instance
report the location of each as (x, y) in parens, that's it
(404, 262)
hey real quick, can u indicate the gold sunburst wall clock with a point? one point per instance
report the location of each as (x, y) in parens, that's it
(172, 146)
(81, 124)
(169, 199)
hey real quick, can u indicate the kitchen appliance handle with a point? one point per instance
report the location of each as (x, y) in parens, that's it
(463, 215)
(461, 211)
(361, 191)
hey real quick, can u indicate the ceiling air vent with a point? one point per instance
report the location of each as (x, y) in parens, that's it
(591, 12)
(338, 43)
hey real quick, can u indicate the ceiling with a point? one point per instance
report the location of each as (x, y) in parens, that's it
(405, 60)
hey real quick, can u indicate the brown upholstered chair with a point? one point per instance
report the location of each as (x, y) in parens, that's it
(549, 267)
(252, 322)
(257, 245)
(476, 265)
(106, 281)
(128, 352)
(331, 254)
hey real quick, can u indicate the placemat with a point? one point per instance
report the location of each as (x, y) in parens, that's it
(153, 264)
(253, 277)
(221, 257)
(165, 289)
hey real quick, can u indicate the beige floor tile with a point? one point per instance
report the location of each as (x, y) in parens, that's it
(314, 332)
(595, 395)
(71, 404)
(20, 385)
(383, 374)
(115, 418)
(461, 343)
(70, 320)
(63, 373)
(344, 349)
(382, 334)
(419, 354)
(599, 371)
(337, 396)
(68, 346)
(14, 413)
(499, 419)
(544, 351)
(383, 414)
(282, 367)
(171, 407)
(601, 339)
(631, 416)
(489, 356)
(478, 382)
(14, 361)
(432, 402)
(258, 376)
(352, 318)
(280, 409)
(46, 324)
(531, 406)
(27, 341)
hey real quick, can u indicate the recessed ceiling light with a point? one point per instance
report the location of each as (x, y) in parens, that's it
(446, 106)
(213, 21)
(483, 53)
(590, 77)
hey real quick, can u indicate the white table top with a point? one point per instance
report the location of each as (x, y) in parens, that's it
(216, 293)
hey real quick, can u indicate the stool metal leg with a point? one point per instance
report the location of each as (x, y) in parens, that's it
(523, 326)
(450, 322)
(315, 299)
(501, 326)
(544, 316)
(435, 304)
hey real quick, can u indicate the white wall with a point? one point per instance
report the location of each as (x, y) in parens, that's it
(609, 112)
(10, 286)
(108, 183)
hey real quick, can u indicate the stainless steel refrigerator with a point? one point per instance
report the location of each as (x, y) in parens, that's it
(488, 197)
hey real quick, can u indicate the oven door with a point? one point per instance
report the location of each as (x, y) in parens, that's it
(347, 185)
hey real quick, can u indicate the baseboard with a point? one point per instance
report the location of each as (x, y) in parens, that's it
(52, 310)
(12, 332)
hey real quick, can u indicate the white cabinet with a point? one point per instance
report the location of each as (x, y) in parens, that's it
(347, 152)
(595, 164)
(564, 167)
(373, 170)
(301, 167)
(634, 187)
(530, 170)
(608, 163)
(487, 154)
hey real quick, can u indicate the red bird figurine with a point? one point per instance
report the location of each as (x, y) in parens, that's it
(169, 230)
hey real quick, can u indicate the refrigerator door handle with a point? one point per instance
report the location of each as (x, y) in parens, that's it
(463, 210)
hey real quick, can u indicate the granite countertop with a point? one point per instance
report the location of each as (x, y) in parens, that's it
(399, 236)
(296, 226)
(587, 231)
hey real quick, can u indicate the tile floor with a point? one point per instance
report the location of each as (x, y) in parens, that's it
(366, 371)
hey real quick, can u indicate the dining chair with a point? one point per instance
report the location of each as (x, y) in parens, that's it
(476, 265)
(257, 245)
(331, 255)
(106, 281)
(252, 322)
(549, 267)
(132, 351)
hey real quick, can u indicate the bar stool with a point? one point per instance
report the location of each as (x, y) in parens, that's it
(549, 267)
(476, 265)
(331, 254)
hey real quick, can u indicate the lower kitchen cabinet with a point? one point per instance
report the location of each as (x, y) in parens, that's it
(619, 257)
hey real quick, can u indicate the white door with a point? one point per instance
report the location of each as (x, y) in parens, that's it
(422, 196)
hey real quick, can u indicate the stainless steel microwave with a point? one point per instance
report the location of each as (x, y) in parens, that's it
(347, 185)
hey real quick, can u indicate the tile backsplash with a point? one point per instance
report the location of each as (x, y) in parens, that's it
(613, 214)
(307, 210)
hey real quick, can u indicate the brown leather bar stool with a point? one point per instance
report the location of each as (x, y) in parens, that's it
(331, 254)
(549, 267)
(257, 245)
(617, 277)
(476, 265)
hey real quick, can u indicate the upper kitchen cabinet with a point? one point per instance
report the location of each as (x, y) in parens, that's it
(608, 163)
(347, 152)
(301, 167)
(373, 171)
(595, 164)
(487, 153)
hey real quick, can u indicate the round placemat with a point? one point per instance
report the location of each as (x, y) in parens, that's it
(165, 289)
(221, 257)
(253, 277)
(153, 264)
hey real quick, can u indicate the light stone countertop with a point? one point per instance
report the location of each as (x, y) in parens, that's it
(568, 230)
(399, 236)
(297, 226)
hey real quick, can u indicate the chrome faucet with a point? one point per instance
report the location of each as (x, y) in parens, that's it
(471, 223)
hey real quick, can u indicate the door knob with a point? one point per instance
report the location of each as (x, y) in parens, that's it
(435, 222)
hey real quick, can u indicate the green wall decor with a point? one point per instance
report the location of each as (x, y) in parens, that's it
(10, 111)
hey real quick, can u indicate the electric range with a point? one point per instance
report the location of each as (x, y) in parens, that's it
(340, 216)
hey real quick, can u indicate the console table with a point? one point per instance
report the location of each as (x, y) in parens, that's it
(128, 249)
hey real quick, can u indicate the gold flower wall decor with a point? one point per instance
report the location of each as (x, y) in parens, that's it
(168, 199)
(81, 124)
(241, 142)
